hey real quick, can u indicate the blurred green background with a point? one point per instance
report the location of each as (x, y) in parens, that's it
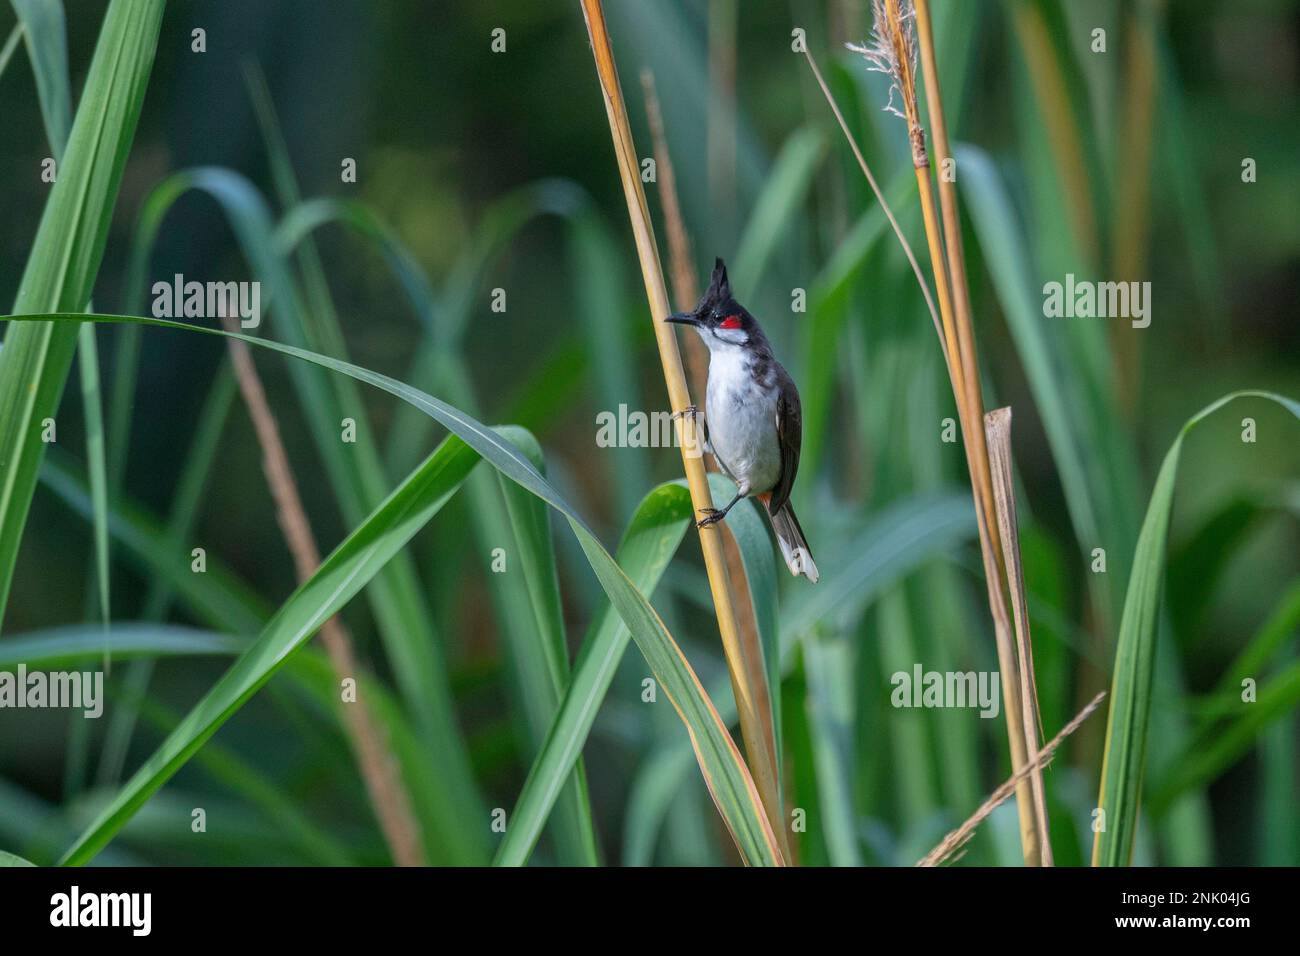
(496, 171)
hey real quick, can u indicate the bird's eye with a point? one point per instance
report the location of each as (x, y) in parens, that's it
(730, 322)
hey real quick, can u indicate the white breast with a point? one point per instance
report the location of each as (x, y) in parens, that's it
(741, 415)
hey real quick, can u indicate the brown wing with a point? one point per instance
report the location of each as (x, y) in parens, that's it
(789, 436)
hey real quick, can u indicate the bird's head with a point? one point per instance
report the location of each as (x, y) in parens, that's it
(719, 318)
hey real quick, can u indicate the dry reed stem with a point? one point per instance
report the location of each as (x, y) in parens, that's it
(956, 259)
(711, 537)
(892, 53)
(945, 336)
(955, 840)
(378, 769)
(686, 295)
(993, 549)
(997, 424)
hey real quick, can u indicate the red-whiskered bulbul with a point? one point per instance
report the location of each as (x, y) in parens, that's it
(753, 424)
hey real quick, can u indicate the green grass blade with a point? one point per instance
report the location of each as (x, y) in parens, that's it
(39, 830)
(462, 291)
(1277, 697)
(1005, 251)
(59, 647)
(657, 784)
(313, 673)
(724, 770)
(11, 44)
(180, 524)
(76, 646)
(596, 268)
(542, 659)
(1135, 655)
(649, 543)
(897, 541)
(1177, 159)
(914, 784)
(1217, 746)
(8, 859)
(92, 401)
(1278, 829)
(294, 234)
(355, 472)
(538, 655)
(1272, 637)
(216, 598)
(831, 705)
(340, 576)
(44, 25)
(231, 771)
(829, 310)
(65, 257)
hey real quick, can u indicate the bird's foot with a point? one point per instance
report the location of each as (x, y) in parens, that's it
(711, 516)
(690, 411)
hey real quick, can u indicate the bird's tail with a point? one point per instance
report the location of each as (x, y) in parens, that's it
(794, 546)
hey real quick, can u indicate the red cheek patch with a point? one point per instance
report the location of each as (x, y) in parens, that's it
(730, 322)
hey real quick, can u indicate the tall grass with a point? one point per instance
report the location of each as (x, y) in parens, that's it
(65, 256)
(511, 694)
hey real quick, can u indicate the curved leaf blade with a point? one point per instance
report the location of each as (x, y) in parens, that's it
(724, 770)
(340, 576)
(652, 537)
(65, 256)
(1124, 762)
(540, 654)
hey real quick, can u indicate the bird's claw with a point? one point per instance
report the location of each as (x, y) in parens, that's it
(690, 411)
(711, 516)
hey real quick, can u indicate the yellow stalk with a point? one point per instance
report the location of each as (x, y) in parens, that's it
(953, 295)
(711, 538)
(997, 424)
(956, 370)
(1032, 811)
(686, 294)
(981, 488)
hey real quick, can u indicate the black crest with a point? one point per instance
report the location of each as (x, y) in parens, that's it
(719, 286)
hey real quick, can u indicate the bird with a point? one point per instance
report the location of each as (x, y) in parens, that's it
(753, 422)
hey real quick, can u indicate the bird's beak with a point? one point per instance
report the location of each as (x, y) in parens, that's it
(683, 318)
